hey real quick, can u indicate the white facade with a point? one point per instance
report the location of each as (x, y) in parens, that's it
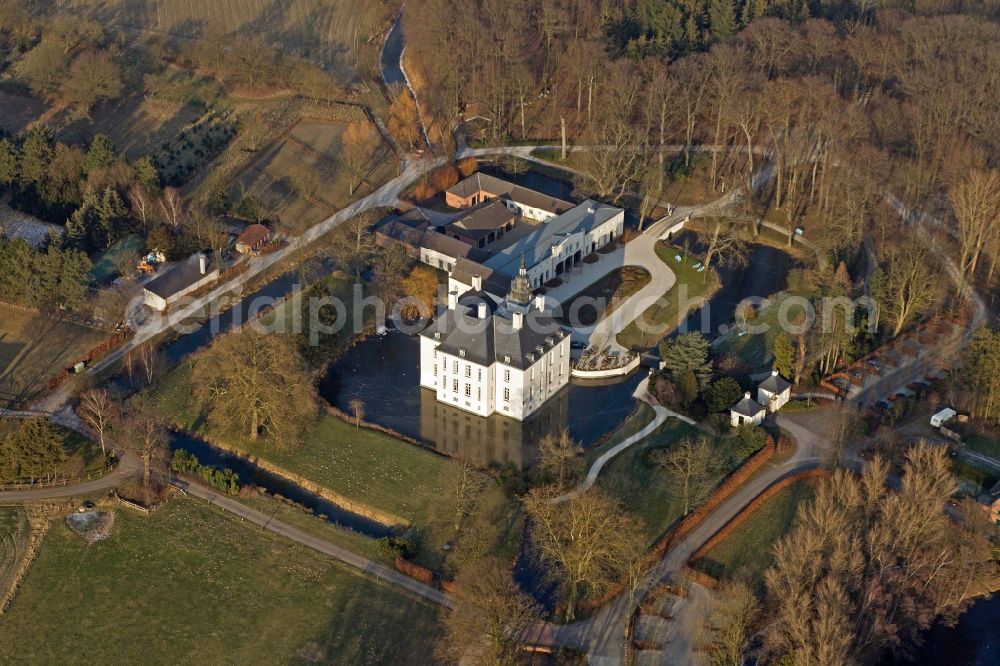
(437, 259)
(746, 412)
(774, 392)
(530, 212)
(508, 386)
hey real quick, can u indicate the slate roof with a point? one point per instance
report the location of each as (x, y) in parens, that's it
(537, 246)
(452, 247)
(747, 407)
(483, 219)
(775, 384)
(481, 182)
(179, 277)
(493, 282)
(494, 339)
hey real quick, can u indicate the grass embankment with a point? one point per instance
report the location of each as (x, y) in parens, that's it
(14, 534)
(191, 584)
(685, 296)
(35, 346)
(636, 421)
(643, 488)
(366, 466)
(745, 552)
(601, 298)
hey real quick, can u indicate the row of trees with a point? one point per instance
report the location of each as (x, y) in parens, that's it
(49, 278)
(866, 568)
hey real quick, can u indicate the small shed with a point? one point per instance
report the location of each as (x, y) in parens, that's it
(746, 411)
(942, 417)
(252, 239)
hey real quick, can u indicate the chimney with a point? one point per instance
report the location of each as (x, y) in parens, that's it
(518, 321)
(774, 372)
(540, 302)
(452, 300)
(483, 310)
(746, 395)
(477, 282)
(201, 263)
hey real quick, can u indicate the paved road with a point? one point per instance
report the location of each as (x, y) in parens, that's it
(602, 635)
(129, 466)
(390, 576)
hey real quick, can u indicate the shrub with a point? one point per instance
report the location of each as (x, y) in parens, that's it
(467, 166)
(392, 547)
(722, 393)
(224, 480)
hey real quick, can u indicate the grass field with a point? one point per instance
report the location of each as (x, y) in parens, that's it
(756, 350)
(363, 465)
(34, 347)
(326, 31)
(670, 316)
(14, 532)
(212, 591)
(307, 160)
(636, 421)
(744, 553)
(18, 110)
(641, 487)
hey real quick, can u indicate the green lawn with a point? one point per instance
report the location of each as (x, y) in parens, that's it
(668, 317)
(636, 421)
(979, 437)
(756, 350)
(36, 346)
(314, 525)
(363, 465)
(745, 553)
(190, 584)
(609, 291)
(641, 487)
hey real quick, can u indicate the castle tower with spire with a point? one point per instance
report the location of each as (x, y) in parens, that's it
(520, 287)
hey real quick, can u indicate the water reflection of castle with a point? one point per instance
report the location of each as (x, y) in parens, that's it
(495, 439)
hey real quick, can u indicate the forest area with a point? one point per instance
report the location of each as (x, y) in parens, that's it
(869, 118)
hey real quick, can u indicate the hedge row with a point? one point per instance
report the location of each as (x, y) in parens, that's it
(750, 508)
(95, 354)
(414, 571)
(701, 578)
(721, 494)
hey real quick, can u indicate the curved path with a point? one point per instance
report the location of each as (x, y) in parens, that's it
(602, 635)
(660, 415)
(129, 466)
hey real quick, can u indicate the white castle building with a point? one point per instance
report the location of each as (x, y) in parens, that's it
(486, 357)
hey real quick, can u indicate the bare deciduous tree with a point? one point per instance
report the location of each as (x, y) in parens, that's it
(691, 466)
(98, 412)
(587, 540)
